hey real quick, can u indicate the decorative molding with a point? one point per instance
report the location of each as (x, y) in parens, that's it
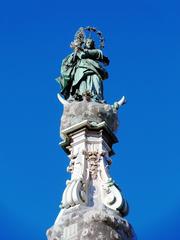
(75, 191)
(93, 158)
(90, 188)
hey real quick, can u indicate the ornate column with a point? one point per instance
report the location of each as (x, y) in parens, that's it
(93, 206)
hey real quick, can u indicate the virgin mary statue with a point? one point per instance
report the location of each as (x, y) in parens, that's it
(82, 72)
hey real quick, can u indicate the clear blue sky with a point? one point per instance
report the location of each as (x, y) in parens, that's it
(143, 44)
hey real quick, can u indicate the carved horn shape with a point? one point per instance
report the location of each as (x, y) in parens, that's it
(122, 101)
(62, 100)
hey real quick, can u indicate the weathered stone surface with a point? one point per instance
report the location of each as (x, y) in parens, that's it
(93, 112)
(92, 206)
(90, 224)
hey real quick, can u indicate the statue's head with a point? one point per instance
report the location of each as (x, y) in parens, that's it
(89, 43)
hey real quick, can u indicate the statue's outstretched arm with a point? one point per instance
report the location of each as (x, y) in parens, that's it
(105, 60)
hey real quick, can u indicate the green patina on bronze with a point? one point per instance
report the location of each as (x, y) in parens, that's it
(82, 72)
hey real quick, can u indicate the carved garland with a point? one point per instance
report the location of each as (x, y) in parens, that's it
(93, 158)
(80, 37)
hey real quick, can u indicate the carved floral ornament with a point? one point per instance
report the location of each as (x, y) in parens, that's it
(72, 157)
(93, 159)
(80, 36)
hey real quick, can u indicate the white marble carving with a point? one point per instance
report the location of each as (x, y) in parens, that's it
(91, 195)
(75, 191)
(89, 166)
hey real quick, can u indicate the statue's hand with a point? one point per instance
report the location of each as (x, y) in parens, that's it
(106, 60)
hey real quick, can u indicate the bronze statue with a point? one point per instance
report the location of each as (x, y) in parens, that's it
(82, 72)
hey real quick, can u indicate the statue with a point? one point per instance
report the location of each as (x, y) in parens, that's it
(92, 206)
(82, 72)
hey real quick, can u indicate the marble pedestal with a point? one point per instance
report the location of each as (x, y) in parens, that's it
(92, 206)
